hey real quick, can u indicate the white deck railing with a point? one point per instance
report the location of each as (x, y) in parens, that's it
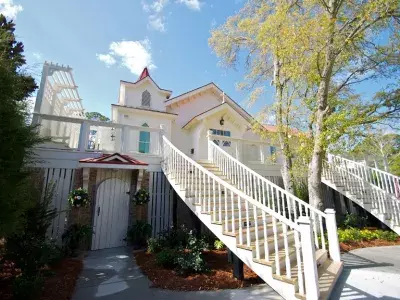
(244, 150)
(220, 199)
(86, 135)
(273, 196)
(384, 180)
(364, 191)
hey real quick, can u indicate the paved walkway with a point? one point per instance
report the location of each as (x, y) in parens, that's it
(371, 273)
(112, 274)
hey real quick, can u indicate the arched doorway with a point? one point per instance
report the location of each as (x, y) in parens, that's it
(111, 214)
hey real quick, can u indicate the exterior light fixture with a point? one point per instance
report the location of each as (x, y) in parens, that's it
(222, 121)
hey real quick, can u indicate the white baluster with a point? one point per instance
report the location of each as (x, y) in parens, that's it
(256, 232)
(310, 264)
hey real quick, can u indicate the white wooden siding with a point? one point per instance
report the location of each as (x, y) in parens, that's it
(160, 208)
(63, 180)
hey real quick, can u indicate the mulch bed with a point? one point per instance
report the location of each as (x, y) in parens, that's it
(346, 247)
(59, 286)
(220, 276)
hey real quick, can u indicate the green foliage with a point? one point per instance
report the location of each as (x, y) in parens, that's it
(16, 137)
(141, 197)
(153, 245)
(354, 221)
(30, 249)
(95, 116)
(301, 190)
(219, 245)
(138, 233)
(27, 287)
(167, 258)
(78, 197)
(357, 235)
(75, 238)
(174, 237)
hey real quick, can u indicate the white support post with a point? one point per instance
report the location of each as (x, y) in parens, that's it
(84, 136)
(124, 139)
(237, 154)
(85, 178)
(334, 249)
(309, 259)
(210, 156)
(160, 142)
(262, 157)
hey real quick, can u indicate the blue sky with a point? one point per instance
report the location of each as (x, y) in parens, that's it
(107, 41)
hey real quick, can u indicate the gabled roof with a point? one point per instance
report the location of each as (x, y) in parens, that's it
(220, 107)
(146, 76)
(112, 159)
(213, 86)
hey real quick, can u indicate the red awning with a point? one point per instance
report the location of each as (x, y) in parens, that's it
(114, 159)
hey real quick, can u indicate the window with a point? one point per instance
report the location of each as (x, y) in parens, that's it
(221, 133)
(144, 140)
(146, 98)
(272, 149)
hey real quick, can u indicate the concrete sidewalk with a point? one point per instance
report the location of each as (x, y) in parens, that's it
(112, 274)
(370, 273)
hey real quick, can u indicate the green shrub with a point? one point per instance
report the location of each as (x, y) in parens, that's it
(30, 249)
(190, 262)
(153, 245)
(354, 221)
(27, 287)
(138, 233)
(388, 235)
(357, 235)
(300, 188)
(167, 258)
(218, 245)
(76, 237)
(174, 237)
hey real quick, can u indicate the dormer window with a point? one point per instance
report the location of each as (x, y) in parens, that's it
(146, 98)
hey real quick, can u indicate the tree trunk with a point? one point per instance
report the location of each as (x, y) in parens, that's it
(283, 140)
(315, 166)
(287, 175)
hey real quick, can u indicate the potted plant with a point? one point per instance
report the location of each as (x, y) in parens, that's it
(78, 198)
(140, 200)
(138, 234)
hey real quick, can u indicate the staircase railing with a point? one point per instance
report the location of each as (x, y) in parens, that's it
(215, 196)
(384, 180)
(366, 193)
(273, 196)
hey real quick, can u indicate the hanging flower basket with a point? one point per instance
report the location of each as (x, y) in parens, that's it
(141, 197)
(78, 198)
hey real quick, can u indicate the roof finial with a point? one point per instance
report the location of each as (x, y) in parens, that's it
(145, 73)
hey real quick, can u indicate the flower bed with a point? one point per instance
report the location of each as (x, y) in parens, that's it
(219, 275)
(354, 238)
(59, 285)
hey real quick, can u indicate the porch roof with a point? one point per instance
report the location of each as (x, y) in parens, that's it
(113, 161)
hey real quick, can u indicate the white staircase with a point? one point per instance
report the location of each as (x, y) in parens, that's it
(374, 190)
(281, 238)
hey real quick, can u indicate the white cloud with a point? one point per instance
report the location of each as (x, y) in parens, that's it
(213, 23)
(159, 5)
(134, 55)
(157, 23)
(107, 59)
(37, 55)
(9, 9)
(192, 4)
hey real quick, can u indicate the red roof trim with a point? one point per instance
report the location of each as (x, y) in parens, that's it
(144, 74)
(103, 157)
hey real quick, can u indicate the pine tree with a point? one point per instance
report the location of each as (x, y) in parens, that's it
(16, 137)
